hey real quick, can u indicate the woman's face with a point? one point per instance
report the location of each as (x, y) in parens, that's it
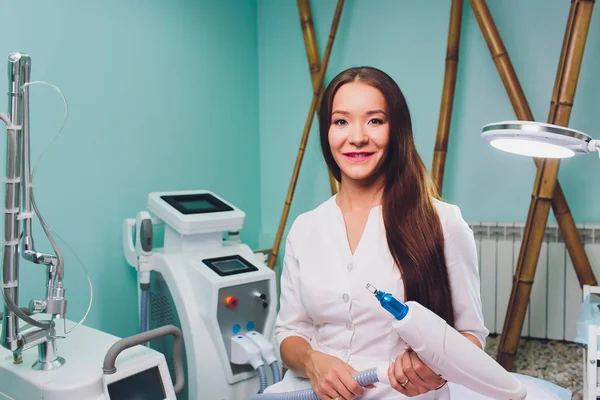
(359, 132)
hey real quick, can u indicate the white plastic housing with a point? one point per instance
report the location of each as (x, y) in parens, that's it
(458, 360)
(244, 351)
(128, 245)
(536, 139)
(81, 377)
(195, 290)
(267, 349)
(193, 224)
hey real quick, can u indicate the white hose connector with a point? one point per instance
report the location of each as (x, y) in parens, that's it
(145, 266)
(144, 277)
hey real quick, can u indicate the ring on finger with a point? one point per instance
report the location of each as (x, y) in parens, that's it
(336, 397)
(403, 384)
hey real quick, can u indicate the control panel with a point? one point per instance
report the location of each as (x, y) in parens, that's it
(229, 265)
(242, 308)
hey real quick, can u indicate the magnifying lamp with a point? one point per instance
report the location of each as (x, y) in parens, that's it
(537, 139)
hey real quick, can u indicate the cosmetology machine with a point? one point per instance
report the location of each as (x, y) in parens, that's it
(217, 291)
(73, 361)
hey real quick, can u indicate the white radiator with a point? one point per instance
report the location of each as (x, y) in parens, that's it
(555, 296)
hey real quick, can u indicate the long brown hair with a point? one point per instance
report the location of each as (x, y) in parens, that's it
(413, 229)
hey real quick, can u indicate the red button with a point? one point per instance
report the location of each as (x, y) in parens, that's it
(231, 301)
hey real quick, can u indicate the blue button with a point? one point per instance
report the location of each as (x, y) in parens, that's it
(250, 326)
(236, 329)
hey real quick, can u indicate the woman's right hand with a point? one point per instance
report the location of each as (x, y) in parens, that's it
(330, 377)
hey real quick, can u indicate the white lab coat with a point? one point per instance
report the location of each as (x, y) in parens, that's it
(324, 299)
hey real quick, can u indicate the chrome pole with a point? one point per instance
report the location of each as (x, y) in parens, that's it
(10, 326)
(26, 182)
(18, 178)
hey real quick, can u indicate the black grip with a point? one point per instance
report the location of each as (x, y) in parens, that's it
(146, 235)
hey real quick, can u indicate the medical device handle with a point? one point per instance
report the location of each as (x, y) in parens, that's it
(141, 338)
(128, 246)
(143, 245)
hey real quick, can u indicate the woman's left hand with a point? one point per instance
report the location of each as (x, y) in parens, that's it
(411, 377)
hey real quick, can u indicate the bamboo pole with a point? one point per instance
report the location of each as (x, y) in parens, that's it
(316, 100)
(562, 213)
(443, 132)
(546, 184)
(519, 102)
(523, 112)
(560, 112)
(314, 61)
(502, 60)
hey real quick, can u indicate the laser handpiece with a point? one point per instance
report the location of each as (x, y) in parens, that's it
(447, 352)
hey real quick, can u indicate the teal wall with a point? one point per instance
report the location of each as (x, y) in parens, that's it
(162, 96)
(215, 95)
(408, 40)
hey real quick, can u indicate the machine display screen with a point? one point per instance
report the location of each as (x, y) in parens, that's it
(145, 385)
(229, 265)
(196, 203)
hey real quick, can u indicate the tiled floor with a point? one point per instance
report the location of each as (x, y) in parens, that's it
(553, 361)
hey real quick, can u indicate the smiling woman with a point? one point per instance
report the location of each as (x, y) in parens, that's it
(377, 121)
(387, 227)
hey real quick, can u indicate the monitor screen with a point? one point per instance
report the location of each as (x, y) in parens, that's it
(145, 385)
(229, 265)
(196, 203)
(200, 204)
